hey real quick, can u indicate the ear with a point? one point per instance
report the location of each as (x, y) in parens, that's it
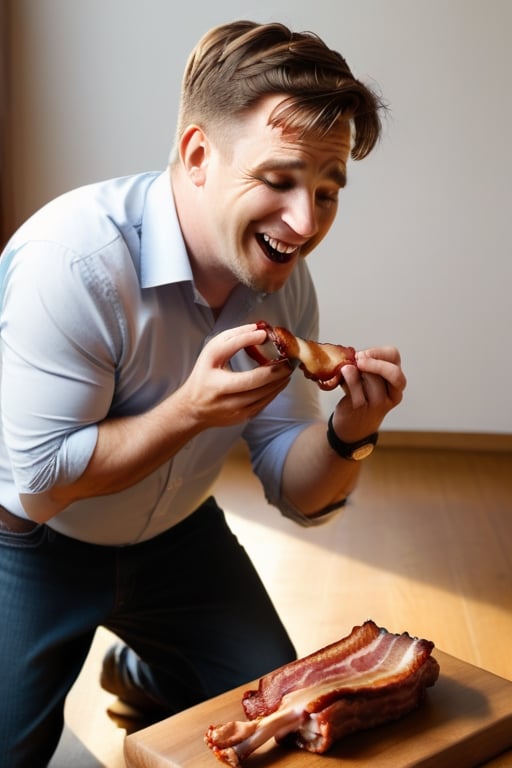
(194, 151)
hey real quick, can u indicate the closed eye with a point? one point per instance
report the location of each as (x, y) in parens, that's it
(287, 184)
(280, 186)
(328, 198)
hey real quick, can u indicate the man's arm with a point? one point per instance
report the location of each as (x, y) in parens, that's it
(314, 476)
(130, 448)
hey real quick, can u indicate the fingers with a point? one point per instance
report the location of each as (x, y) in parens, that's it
(377, 381)
(385, 363)
(222, 397)
(266, 395)
(353, 386)
(390, 354)
(219, 351)
(227, 343)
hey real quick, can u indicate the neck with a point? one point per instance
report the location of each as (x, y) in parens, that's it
(214, 282)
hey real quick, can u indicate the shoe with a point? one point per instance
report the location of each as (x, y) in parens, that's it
(135, 707)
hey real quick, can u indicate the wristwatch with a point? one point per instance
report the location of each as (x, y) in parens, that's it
(357, 451)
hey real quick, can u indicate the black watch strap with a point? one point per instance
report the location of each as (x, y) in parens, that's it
(351, 451)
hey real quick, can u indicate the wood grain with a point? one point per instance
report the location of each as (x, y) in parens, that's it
(465, 719)
(460, 441)
(424, 545)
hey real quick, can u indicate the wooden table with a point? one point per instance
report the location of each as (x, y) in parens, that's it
(465, 721)
(423, 546)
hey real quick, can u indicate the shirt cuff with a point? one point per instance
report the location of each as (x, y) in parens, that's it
(317, 518)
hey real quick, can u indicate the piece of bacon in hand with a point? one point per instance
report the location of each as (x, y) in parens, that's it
(321, 362)
(368, 678)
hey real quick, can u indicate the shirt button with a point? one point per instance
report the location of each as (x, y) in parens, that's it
(176, 483)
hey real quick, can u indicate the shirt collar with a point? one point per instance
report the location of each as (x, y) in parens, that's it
(163, 255)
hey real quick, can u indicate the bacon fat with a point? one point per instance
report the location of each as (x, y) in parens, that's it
(368, 678)
(321, 362)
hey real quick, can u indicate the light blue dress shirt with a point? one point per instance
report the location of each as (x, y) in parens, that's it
(99, 317)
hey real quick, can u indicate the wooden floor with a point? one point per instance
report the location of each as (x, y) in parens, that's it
(425, 545)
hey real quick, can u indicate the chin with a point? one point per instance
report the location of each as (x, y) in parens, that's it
(270, 278)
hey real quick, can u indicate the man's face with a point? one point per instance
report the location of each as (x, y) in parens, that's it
(270, 198)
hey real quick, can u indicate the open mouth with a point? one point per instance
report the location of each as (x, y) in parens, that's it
(276, 250)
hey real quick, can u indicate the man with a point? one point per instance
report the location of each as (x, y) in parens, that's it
(126, 310)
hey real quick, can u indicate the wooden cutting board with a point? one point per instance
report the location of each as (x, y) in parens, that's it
(465, 720)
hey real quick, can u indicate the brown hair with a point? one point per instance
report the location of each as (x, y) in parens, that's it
(235, 64)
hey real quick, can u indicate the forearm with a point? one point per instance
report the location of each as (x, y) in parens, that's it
(127, 450)
(314, 476)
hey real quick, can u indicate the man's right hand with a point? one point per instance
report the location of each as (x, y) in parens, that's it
(222, 397)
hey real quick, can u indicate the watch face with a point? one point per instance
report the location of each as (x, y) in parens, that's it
(362, 452)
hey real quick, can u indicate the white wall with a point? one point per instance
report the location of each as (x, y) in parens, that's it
(421, 254)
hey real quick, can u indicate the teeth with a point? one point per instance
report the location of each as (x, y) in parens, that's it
(279, 246)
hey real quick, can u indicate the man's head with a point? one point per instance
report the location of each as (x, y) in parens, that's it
(236, 64)
(268, 120)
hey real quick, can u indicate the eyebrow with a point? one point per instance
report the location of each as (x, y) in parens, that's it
(335, 174)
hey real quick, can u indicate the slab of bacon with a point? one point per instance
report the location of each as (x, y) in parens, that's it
(320, 362)
(368, 678)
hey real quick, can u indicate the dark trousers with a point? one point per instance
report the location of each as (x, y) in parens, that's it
(188, 602)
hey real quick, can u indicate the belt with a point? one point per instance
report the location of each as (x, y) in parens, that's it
(14, 523)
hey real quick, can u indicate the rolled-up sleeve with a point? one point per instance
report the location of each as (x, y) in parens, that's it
(59, 336)
(271, 435)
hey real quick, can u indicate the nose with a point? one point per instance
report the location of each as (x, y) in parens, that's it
(300, 214)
